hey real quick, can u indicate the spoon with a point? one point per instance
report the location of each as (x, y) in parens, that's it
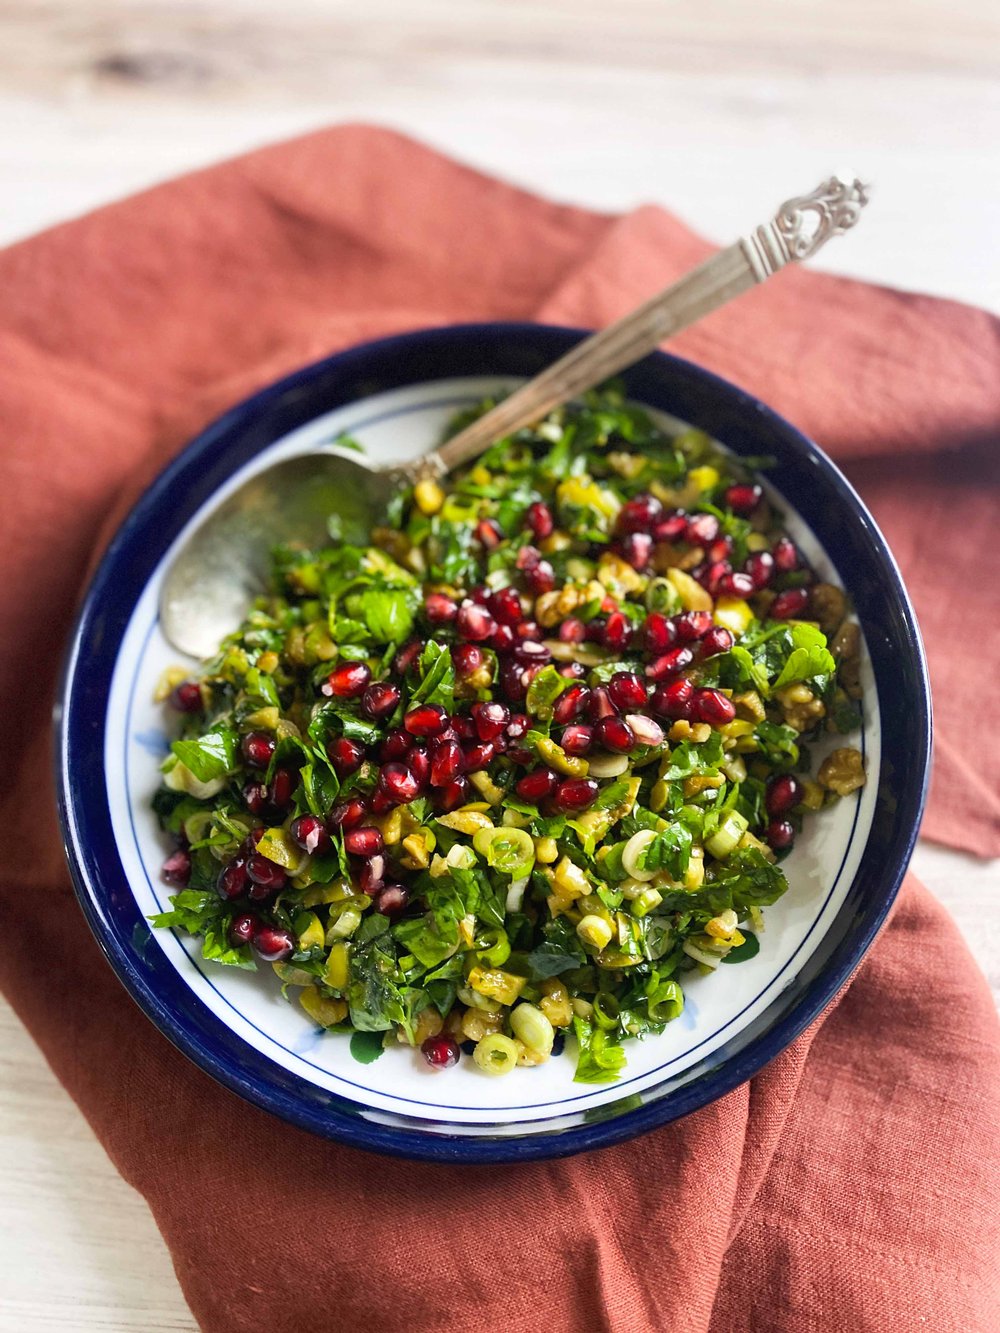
(224, 563)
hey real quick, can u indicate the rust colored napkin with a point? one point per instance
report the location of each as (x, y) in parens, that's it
(854, 1184)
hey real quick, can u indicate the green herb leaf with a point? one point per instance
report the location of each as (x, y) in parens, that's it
(437, 677)
(210, 756)
(670, 850)
(544, 690)
(600, 1060)
(389, 612)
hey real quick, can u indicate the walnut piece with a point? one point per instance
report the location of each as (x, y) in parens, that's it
(828, 605)
(842, 771)
(800, 706)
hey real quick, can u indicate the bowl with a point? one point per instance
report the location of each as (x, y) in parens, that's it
(395, 396)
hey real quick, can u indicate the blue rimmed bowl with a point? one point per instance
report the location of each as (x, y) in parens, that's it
(395, 396)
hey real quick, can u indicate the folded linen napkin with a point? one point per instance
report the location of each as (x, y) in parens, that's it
(854, 1183)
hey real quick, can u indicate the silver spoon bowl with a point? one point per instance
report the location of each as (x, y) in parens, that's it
(225, 562)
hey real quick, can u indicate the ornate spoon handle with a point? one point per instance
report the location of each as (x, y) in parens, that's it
(796, 232)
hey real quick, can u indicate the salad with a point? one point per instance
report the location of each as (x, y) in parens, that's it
(525, 763)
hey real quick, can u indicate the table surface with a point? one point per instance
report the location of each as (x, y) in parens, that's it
(718, 110)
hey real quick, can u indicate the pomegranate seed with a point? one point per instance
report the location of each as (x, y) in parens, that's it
(186, 697)
(348, 814)
(670, 664)
(480, 594)
(397, 745)
(512, 682)
(371, 875)
(636, 548)
(440, 1052)
(232, 880)
(692, 625)
(474, 621)
(529, 629)
(272, 943)
(527, 557)
(737, 585)
(617, 632)
(407, 657)
(570, 704)
(490, 719)
(573, 670)
(593, 630)
(780, 834)
(468, 658)
(614, 733)
(540, 521)
(784, 792)
(536, 785)
(719, 549)
(255, 797)
(283, 784)
(713, 706)
(363, 841)
(577, 740)
(760, 566)
(711, 576)
(348, 680)
(489, 533)
(479, 756)
(345, 756)
(506, 606)
(397, 781)
(540, 578)
(574, 794)
(531, 652)
(518, 726)
(439, 609)
(717, 640)
(786, 556)
(627, 690)
(257, 749)
(392, 899)
(640, 514)
(672, 528)
(702, 529)
(673, 699)
(419, 761)
(426, 720)
(381, 802)
(572, 631)
(647, 732)
(176, 868)
(792, 602)
(464, 728)
(266, 874)
(242, 929)
(658, 634)
(599, 704)
(379, 700)
(744, 498)
(447, 762)
(503, 639)
(451, 797)
(310, 834)
(253, 838)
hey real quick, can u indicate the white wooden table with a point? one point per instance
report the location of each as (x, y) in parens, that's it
(718, 110)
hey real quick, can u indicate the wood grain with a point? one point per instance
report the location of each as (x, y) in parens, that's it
(718, 109)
